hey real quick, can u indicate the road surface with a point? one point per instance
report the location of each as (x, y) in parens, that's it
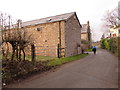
(93, 71)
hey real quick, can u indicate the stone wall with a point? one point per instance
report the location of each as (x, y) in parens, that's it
(72, 37)
(46, 38)
(84, 36)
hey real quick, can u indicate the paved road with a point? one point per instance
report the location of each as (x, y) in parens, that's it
(93, 71)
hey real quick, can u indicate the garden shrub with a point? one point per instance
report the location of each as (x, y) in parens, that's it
(104, 44)
(110, 44)
(12, 69)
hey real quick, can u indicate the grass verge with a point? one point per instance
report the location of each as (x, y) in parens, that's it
(89, 50)
(39, 58)
(59, 61)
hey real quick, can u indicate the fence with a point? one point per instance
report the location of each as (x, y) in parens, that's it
(43, 50)
(54, 51)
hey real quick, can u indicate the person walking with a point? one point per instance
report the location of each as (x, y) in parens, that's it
(94, 49)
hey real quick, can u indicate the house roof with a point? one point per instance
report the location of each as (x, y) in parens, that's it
(48, 19)
(84, 28)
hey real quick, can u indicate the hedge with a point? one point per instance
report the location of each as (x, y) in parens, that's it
(111, 44)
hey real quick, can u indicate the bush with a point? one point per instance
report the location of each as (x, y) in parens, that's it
(110, 44)
(104, 44)
(113, 45)
(12, 70)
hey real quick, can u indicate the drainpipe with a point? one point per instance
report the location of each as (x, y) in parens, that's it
(59, 44)
(59, 34)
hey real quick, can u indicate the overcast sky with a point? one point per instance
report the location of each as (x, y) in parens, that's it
(92, 10)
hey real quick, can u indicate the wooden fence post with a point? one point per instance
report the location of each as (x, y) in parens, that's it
(33, 52)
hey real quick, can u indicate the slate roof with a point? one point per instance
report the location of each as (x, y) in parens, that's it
(48, 19)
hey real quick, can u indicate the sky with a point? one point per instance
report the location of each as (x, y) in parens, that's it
(92, 10)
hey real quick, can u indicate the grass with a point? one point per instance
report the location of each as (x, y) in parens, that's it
(89, 50)
(28, 57)
(39, 58)
(59, 61)
(55, 61)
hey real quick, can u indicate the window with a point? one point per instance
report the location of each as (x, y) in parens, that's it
(38, 29)
(48, 20)
(114, 35)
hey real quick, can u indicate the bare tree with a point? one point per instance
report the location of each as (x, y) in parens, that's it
(15, 35)
(111, 17)
(5, 21)
(19, 38)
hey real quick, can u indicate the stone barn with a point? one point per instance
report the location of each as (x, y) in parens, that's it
(56, 36)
